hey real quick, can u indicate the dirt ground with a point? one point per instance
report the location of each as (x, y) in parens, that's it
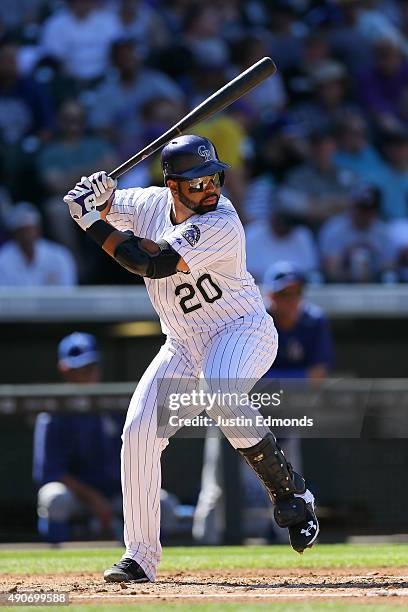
(363, 585)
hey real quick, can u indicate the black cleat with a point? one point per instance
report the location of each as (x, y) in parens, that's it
(127, 570)
(303, 535)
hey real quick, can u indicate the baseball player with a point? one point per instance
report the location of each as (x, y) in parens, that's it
(76, 484)
(187, 241)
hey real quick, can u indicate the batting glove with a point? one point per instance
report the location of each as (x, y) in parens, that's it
(89, 197)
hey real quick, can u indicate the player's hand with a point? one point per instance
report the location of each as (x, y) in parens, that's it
(89, 197)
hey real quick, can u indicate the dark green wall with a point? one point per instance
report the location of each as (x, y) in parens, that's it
(354, 479)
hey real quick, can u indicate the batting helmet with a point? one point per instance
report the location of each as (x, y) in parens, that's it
(188, 157)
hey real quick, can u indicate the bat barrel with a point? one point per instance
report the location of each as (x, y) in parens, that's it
(231, 92)
(222, 98)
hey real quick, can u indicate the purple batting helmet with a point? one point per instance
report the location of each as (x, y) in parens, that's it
(189, 156)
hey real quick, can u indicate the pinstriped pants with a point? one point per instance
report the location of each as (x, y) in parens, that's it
(228, 359)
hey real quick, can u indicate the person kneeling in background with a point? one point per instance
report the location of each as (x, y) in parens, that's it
(77, 456)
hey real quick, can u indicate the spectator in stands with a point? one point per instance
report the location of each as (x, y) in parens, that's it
(27, 260)
(391, 177)
(25, 107)
(158, 117)
(317, 188)
(329, 100)
(174, 12)
(21, 12)
(314, 51)
(280, 238)
(80, 35)
(58, 84)
(205, 77)
(382, 84)
(239, 17)
(278, 147)
(118, 57)
(347, 41)
(356, 246)
(202, 33)
(269, 97)
(374, 21)
(119, 99)
(72, 153)
(76, 461)
(141, 23)
(286, 43)
(354, 150)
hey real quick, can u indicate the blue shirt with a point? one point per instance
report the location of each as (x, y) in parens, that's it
(307, 344)
(363, 164)
(394, 191)
(86, 446)
(25, 108)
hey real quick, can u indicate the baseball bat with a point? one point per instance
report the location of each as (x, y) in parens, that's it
(219, 100)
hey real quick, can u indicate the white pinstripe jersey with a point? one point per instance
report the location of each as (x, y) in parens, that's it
(218, 290)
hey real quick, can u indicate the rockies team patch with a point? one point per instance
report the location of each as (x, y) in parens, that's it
(191, 234)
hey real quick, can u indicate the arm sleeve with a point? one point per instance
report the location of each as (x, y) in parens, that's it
(50, 451)
(206, 240)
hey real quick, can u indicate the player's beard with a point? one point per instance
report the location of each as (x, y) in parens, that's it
(198, 207)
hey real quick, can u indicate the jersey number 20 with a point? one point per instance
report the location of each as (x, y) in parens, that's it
(206, 286)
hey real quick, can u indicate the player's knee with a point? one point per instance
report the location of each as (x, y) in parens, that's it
(53, 502)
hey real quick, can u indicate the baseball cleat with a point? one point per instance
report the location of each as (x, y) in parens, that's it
(303, 535)
(127, 570)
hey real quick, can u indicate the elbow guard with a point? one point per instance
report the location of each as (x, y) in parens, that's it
(131, 256)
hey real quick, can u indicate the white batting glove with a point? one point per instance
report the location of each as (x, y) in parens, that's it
(89, 197)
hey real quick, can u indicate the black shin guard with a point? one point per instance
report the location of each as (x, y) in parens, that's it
(281, 482)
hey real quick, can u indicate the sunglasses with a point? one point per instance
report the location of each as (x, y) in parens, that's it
(199, 184)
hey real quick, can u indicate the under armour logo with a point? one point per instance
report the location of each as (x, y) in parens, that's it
(307, 531)
(204, 152)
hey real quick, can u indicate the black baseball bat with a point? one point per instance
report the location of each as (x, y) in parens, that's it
(219, 100)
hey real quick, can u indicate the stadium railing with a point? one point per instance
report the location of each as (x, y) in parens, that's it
(120, 303)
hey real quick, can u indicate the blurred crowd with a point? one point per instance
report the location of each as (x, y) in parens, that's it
(319, 152)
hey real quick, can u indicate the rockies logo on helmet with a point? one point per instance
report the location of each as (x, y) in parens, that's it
(204, 152)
